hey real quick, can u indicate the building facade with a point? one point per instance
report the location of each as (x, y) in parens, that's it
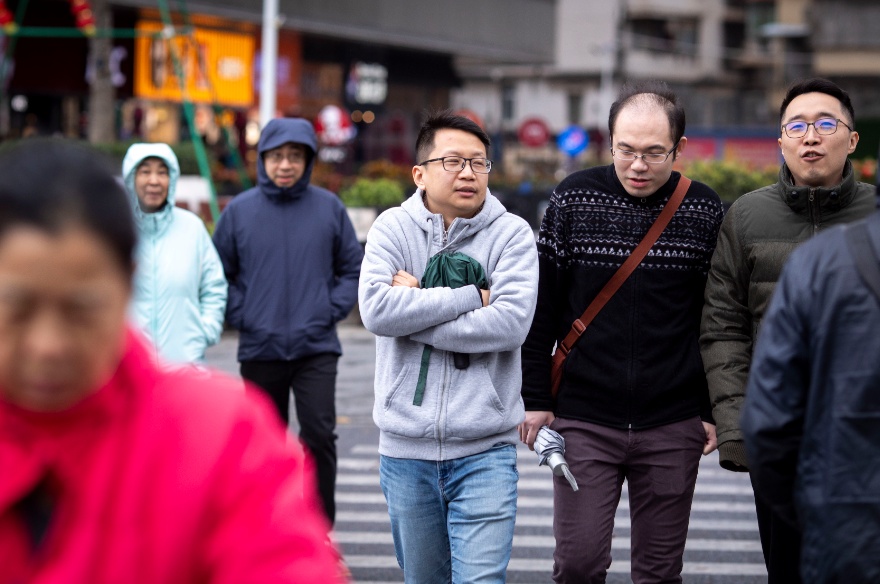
(729, 60)
(383, 62)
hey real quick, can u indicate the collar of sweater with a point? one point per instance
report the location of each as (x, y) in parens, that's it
(657, 198)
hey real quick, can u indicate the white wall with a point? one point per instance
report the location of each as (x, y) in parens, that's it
(483, 98)
(585, 34)
(534, 97)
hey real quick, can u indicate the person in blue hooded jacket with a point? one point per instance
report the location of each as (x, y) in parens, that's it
(293, 261)
(179, 294)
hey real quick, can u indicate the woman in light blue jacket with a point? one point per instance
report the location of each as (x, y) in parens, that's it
(179, 295)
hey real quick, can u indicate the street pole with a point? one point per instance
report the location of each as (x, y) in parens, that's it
(102, 93)
(268, 61)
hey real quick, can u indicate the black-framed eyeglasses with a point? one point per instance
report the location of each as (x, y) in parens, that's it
(823, 126)
(456, 164)
(650, 158)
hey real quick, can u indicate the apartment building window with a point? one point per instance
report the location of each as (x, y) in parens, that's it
(575, 105)
(679, 36)
(508, 101)
(758, 14)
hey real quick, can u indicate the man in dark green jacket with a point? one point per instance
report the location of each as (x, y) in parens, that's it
(816, 189)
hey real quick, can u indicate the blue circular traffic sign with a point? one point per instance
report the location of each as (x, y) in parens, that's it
(573, 140)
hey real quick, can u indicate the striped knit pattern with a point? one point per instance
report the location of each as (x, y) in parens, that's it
(590, 228)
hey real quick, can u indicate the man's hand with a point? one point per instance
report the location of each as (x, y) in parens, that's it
(711, 438)
(528, 430)
(485, 295)
(402, 278)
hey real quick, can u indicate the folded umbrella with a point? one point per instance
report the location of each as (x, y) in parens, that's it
(550, 447)
(448, 270)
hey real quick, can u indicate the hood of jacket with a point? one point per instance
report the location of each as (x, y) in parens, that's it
(151, 223)
(278, 132)
(830, 198)
(460, 228)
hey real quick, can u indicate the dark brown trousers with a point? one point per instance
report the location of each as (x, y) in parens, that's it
(660, 467)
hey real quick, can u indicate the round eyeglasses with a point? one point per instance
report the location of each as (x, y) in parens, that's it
(457, 163)
(823, 126)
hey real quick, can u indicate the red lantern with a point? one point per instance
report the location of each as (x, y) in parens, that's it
(85, 18)
(7, 20)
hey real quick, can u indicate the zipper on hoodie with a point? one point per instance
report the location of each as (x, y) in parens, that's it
(286, 338)
(814, 210)
(154, 304)
(441, 406)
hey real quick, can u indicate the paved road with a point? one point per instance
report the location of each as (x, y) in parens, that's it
(722, 547)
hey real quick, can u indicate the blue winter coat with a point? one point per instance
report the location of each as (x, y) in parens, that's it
(291, 257)
(811, 419)
(179, 290)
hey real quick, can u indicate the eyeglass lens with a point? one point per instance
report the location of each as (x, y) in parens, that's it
(824, 126)
(456, 164)
(653, 158)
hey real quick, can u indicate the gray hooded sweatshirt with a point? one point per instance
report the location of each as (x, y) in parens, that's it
(464, 411)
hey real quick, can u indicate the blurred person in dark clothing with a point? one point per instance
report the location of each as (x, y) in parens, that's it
(292, 259)
(811, 419)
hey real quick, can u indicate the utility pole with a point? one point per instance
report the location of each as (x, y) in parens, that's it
(268, 62)
(102, 94)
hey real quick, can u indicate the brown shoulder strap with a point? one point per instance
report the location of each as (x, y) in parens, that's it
(617, 280)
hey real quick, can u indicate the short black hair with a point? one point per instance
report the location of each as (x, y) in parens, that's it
(653, 92)
(443, 120)
(53, 184)
(819, 85)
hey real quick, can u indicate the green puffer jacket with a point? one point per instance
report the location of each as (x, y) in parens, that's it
(758, 233)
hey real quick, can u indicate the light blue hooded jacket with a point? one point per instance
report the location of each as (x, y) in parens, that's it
(179, 295)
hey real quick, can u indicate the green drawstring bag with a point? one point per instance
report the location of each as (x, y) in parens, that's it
(448, 270)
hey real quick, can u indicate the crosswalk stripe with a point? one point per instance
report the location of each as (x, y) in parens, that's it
(366, 457)
(549, 542)
(546, 566)
(546, 484)
(620, 522)
(546, 502)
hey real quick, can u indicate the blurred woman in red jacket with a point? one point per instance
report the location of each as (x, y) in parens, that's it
(110, 469)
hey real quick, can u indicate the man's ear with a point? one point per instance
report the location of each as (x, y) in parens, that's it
(680, 148)
(853, 142)
(418, 173)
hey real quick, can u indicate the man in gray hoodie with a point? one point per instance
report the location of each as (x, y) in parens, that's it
(448, 455)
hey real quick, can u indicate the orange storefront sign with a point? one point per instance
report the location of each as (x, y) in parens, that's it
(217, 65)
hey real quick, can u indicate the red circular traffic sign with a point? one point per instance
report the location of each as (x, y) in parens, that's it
(533, 132)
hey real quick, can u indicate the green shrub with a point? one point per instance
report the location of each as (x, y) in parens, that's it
(730, 179)
(372, 192)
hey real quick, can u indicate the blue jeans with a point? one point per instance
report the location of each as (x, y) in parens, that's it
(452, 520)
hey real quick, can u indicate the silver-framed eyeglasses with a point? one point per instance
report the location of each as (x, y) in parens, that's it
(650, 158)
(456, 164)
(823, 127)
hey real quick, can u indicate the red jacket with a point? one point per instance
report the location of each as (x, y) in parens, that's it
(160, 477)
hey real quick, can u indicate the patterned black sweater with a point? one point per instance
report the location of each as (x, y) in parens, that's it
(638, 364)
